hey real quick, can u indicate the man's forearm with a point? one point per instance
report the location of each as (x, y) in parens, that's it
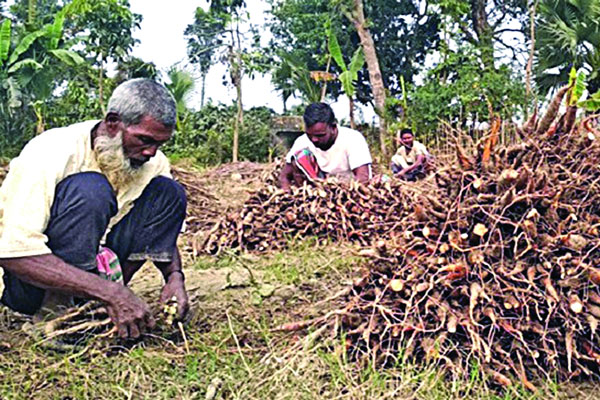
(167, 269)
(410, 168)
(362, 173)
(285, 177)
(50, 272)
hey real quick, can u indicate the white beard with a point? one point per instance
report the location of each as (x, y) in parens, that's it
(112, 161)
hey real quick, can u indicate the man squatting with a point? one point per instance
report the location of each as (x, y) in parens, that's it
(326, 149)
(91, 189)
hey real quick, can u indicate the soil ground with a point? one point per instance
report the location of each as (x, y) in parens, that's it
(229, 347)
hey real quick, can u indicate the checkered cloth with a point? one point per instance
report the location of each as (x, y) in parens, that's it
(109, 266)
(306, 161)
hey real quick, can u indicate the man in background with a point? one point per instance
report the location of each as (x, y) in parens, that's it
(411, 158)
(325, 150)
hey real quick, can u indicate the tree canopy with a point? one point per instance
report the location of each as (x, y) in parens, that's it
(439, 61)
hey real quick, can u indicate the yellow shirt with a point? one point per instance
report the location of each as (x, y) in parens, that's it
(27, 193)
(405, 160)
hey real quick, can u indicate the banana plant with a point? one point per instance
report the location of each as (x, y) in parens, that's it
(578, 84)
(294, 69)
(18, 70)
(349, 73)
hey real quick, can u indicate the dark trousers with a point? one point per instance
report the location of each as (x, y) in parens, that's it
(83, 205)
(415, 174)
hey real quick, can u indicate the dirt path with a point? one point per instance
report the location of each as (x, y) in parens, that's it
(199, 283)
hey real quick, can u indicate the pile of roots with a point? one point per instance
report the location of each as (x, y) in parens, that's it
(201, 208)
(331, 211)
(494, 261)
(211, 193)
(503, 272)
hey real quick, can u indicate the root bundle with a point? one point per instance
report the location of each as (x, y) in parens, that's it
(507, 279)
(493, 260)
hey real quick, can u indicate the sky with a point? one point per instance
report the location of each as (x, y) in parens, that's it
(162, 42)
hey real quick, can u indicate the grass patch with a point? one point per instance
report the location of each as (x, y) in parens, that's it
(300, 262)
(230, 337)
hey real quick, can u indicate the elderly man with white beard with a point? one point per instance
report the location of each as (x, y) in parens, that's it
(83, 207)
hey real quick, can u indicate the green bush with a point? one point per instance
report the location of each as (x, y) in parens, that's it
(207, 135)
(460, 92)
(17, 126)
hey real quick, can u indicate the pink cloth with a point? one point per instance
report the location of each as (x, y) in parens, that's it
(108, 265)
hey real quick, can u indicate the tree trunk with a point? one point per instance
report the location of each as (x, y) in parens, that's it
(485, 35)
(203, 90)
(101, 85)
(530, 60)
(324, 88)
(351, 102)
(239, 120)
(375, 78)
(235, 61)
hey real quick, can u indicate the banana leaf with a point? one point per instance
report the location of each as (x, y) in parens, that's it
(28, 62)
(55, 30)
(335, 50)
(357, 62)
(591, 104)
(14, 93)
(347, 83)
(577, 81)
(68, 57)
(24, 45)
(5, 30)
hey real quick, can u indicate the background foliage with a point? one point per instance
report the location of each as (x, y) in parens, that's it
(447, 61)
(209, 132)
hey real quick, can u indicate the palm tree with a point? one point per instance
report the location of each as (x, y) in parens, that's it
(181, 86)
(568, 35)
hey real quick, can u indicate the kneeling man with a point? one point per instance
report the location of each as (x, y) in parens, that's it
(326, 150)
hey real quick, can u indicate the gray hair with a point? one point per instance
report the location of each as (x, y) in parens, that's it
(136, 98)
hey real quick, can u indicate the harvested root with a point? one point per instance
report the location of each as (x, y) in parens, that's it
(552, 111)
(505, 271)
(331, 210)
(73, 328)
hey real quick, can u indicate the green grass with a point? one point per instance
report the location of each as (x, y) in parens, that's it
(230, 337)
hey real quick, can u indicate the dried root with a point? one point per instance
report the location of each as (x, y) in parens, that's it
(496, 258)
(330, 210)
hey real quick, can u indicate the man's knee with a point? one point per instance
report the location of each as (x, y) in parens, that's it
(170, 191)
(20, 296)
(150, 229)
(89, 192)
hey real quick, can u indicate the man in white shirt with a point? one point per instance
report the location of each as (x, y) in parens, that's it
(101, 183)
(410, 160)
(326, 150)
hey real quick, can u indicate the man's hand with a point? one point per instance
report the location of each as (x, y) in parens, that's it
(401, 173)
(291, 175)
(175, 286)
(130, 314)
